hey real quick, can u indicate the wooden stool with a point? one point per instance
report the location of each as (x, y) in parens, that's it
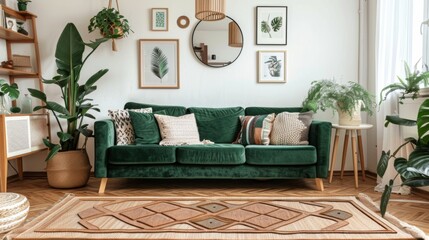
(353, 131)
(13, 210)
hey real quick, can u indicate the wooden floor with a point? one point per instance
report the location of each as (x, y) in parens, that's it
(412, 208)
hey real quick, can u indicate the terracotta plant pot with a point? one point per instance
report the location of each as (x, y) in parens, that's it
(69, 169)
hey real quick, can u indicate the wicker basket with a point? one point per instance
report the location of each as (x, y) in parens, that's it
(21, 61)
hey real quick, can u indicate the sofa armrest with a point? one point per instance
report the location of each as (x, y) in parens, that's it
(320, 137)
(104, 131)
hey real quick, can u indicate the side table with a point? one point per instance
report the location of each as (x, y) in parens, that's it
(353, 131)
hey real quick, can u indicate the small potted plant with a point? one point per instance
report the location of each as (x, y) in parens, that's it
(348, 99)
(7, 89)
(110, 23)
(22, 5)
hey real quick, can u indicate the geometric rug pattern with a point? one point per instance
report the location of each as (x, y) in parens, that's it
(210, 218)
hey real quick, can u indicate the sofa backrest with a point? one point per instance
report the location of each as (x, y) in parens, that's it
(253, 111)
(169, 110)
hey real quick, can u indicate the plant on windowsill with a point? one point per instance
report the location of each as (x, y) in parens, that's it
(414, 172)
(410, 86)
(10, 90)
(67, 165)
(348, 99)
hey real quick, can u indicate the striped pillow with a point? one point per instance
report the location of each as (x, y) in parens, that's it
(255, 129)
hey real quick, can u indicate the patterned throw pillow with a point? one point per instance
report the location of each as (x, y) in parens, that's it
(255, 129)
(176, 131)
(123, 127)
(291, 128)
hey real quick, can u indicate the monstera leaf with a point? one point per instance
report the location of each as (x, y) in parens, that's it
(277, 23)
(159, 63)
(423, 122)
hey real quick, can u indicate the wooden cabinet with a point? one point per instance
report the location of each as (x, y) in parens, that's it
(21, 134)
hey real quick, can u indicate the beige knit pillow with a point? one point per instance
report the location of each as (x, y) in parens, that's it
(177, 131)
(291, 128)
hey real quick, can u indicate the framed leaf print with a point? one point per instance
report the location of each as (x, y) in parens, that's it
(159, 19)
(271, 25)
(159, 63)
(271, 66)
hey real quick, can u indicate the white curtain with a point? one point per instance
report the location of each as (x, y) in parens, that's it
(393, 46)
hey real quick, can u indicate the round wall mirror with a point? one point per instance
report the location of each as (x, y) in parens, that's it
(217, 43)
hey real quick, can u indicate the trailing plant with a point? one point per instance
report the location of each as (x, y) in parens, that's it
(159, 63)
(275, 25)
(325, 94)
(413, 171)
(110, 23)
(409, 85)
(9, 89)
(70, 61)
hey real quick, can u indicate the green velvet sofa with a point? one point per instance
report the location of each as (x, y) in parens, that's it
(222, 160)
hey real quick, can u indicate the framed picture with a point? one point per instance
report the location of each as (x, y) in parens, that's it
(271, 25)
(11, 24)
(271, 66)
(159, 63)
(159, 19)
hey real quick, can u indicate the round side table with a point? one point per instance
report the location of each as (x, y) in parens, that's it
(354, 131)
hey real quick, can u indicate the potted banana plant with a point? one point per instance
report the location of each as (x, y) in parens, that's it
(67, 161)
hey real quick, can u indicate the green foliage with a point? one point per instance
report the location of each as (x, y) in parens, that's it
(325, 94)
(411, 84)
(15, 109)
(70, 61)
(414, 172)
(277, 23)
(24, 1)
(11, 90)
(111, 23)
(159, 63)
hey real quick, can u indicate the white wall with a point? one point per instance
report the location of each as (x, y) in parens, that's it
(322, 43)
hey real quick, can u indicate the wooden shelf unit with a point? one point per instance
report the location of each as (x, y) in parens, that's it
(33, 127)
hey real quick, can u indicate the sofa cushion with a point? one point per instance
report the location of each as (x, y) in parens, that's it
(170, 110)
(123, 127)
(176, 131)
(253, 111)
(291, 128)
(280, 155)
(219, 125)
(212, 154)
(255, 129)
(141, 154)
(146, 129)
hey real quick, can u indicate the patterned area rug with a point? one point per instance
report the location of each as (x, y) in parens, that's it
(209, 218)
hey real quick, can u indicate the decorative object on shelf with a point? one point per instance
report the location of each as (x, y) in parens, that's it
(159, 19)
(22, 5)
(111, 23)
(408, 86)
(271, 66)
(348, 99)
(205, 42)
(11, 24)
(183, 21)
(414, 171)
(7, 64)
(159, 63)
(271, 25)
(210, 10)
(26, 104)
(235, 39)
(10, 90)
(15, 109)
(70, 60)
(21, 28)
(21, 61)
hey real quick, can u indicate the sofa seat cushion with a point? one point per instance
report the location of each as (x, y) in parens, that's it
(281, 155)
(211, 154)
(142, 154)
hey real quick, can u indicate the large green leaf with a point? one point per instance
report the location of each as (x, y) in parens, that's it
(94, 78)
(64, 136)
(385, 197)
(419, 161)
(37, 94)
(277, 23)
(53, 106)
(417, 182)
(383, 163)
(401, 166)
(70, 48)
(159, 63)
(400, 121)
(52, 152)
(11, 90)
(423, 122)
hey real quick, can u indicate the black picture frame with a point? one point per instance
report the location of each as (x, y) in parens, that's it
(274, 18)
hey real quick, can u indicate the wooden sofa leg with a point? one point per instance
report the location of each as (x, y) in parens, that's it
(103, 184)
(319, 184)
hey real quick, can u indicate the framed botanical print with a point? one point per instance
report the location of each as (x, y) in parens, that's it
(271, 66)
(159, 63)
(271, 25)
(159, 19)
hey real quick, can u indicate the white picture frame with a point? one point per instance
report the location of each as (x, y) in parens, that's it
(271, 25)
(272, 66)
(150, 51)
(159, 19)
(11, 24)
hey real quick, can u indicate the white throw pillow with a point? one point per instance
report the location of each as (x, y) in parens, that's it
(176, 131)
(291, 128)
(124, 129)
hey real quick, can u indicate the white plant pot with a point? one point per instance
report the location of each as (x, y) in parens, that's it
(354, 120)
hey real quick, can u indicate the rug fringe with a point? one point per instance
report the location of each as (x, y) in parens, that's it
(410, 229)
